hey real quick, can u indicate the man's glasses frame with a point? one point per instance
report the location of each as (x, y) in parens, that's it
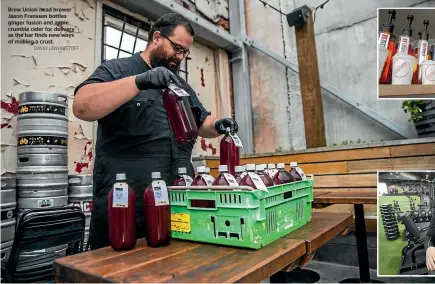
(177, 48)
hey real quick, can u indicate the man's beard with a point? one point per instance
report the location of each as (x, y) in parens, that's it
(158, 58)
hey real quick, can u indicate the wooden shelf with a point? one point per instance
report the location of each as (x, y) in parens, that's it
(407, 91)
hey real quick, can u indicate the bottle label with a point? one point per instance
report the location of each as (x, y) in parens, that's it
(383, 39)
(272, 172)
(208, 179)
(258, 182)
(120, 195)
(404, 44)
(230, 179)
(236, 140)
(430, 73)
(188, 180)
(160, 190)
(178, 91)
(422, 54)
(301, 173)
(242, 175)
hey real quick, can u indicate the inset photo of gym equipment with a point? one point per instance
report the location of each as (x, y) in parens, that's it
(406, 202)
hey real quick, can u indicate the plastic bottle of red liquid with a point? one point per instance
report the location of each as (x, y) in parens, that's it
(122, 215)
(157, 212)
(176, 102)
(224, 177)
(267, 180)
(207, 172)
(252, 179)
(297, 172)
(271, 170)
(182, 179)
(282, 176)
(202, 179)
(239, 173)
(229, 153)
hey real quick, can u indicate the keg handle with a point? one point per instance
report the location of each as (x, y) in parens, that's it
(75, 180)
(23, 160)
(3, 183)
(62, 98)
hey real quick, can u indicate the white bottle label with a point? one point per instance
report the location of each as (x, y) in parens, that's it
(160, 190)
(272, 172)
(301, 173)
(258, 182)
(404, 44)
(236, 140)
(178, 91)
(120, 195)
(188, 180)
(383, 39)
(422, 53)
(208, 179)
(230, 179)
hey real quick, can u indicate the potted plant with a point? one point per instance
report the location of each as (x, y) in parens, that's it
(423, 115)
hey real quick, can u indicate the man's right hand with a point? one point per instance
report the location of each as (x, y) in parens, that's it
(156, 78)
(430, 258)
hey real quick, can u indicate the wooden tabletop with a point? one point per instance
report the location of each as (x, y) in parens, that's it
(404, 91)
(183, 261)
(351, 197)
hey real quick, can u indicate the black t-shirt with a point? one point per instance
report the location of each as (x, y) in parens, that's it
(140, 125)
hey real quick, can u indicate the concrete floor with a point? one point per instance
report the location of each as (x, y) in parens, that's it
(333, 273)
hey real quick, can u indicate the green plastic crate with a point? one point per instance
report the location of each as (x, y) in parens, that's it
(240, 216)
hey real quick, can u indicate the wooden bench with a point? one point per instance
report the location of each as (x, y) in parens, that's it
(351, 168)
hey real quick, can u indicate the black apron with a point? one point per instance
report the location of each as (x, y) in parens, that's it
(137, 140)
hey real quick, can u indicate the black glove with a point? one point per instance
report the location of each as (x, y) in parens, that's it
(221, 125)
(156, 78)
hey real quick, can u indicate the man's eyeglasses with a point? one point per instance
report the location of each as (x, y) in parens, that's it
(177, 48)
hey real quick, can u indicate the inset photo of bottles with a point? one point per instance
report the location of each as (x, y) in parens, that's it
(406, 53)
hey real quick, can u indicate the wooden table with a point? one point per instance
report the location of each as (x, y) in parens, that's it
(358, 199)
(183, 261)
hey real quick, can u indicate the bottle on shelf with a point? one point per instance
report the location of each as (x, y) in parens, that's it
(404, 44)
(423, 51)
(157, 212)
(282, 176)
(122, 214)
(387, 40)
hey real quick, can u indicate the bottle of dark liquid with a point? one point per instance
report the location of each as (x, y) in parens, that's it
(271, 170)
(122, 215)
(252, 179)
(182, 179)
(297, 172)
(267, 180)
(157, 212)
(224, 177)
(180, 116)
(202, 179)
(387, 40)
(239, 173)
(282, 176)
(207, 172)
(229, 153)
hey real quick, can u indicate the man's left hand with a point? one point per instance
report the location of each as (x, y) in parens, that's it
(221, 125)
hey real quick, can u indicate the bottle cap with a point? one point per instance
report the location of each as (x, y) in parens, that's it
(207, 170)
(238, 169)
(200, 169)
(281, 166)
(250, 167)
(293, 164)
(155, 175)
(223, 168)
(270, 166)
(121, 176)
(182, 171)
(259, 168)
